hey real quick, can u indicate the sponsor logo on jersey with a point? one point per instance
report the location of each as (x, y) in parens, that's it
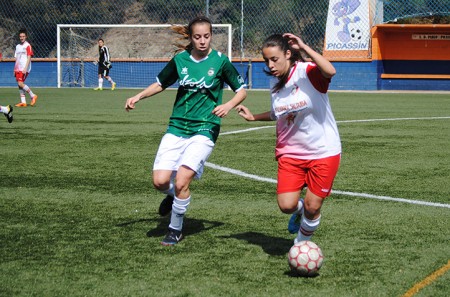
(192, 82)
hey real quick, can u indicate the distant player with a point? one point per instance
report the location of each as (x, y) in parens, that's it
(7, 111)
(22, 68)
(104, 64)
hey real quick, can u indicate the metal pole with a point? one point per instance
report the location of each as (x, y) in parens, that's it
(249, 75)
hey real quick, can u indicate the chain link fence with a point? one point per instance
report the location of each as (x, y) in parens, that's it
(252, 20)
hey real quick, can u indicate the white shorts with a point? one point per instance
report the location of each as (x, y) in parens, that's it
(175, 151)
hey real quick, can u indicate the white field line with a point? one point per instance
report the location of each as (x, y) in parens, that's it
(339, 122)
(364, 195)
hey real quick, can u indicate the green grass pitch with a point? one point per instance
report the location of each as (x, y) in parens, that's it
(78, 214)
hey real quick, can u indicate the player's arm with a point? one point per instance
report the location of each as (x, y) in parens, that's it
(106, 54)
(323, 64)
(223, 109)
(25, 69)
(244, 112)
(232, 77)
(107, 62)
(151, 90)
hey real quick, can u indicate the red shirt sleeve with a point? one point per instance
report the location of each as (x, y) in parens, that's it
(319, 82)
(29, 51)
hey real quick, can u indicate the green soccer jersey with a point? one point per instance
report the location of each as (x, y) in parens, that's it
(200, 91)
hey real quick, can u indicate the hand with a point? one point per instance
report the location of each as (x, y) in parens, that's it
(107, 65)
(221, 110)
(294, 41)
(130, 104)
(245, 113)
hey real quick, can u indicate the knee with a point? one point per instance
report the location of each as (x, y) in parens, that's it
(181, 186)
(161, 184)
(312, 208)
(287, 206)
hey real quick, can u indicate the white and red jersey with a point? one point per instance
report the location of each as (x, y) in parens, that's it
(306, 128)
(23, 50)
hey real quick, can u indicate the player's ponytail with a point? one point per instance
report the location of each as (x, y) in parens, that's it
(183, 31)
(277, 40)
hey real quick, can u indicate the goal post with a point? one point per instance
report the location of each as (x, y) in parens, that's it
(138, 52)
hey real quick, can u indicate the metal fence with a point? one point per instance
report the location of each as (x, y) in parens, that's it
(252, 20)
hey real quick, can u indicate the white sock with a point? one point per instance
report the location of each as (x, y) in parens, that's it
(4, 109)
(22, 96)
(100, 83)
(28, 90)
(179, 208)
(110, 80)
(307, 228)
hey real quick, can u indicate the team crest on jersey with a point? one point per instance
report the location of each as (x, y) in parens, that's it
(290, 118)
(294, 89)
(184, 70)
(211, 72)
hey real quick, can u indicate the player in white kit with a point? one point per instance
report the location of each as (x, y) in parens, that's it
(308, 146)
(22, 68)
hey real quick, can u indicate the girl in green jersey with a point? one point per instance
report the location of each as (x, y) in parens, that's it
(194, 125)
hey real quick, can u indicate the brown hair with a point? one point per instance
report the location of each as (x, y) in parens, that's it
(23, 30)
(186, 32)
(281, 42)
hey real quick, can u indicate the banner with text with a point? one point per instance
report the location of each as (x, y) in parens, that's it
(348, 29)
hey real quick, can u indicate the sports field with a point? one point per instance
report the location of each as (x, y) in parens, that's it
(78, 214)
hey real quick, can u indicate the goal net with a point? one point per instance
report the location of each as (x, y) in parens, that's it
(138, 52)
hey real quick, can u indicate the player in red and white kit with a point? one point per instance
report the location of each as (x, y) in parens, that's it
(22, 68)
(308, 147)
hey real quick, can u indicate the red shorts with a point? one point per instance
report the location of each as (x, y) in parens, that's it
(20, 76)
(318, 175)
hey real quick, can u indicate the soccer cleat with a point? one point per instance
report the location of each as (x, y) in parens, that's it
(172, 237)
(113, 87)
(33, 100)
(21, 105)
(166, 206)
(98, 89)
(294, 222)
(9, 115)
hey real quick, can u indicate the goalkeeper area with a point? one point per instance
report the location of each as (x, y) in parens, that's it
(138, 52)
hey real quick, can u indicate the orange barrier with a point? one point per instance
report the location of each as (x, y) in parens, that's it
(411, 42)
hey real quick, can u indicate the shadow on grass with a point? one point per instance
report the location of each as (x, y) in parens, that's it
(274, 246)
(190, 226)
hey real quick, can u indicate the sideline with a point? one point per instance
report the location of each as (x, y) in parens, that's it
(428, 280)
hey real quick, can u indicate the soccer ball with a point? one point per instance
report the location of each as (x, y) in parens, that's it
(305, 258)
(355, 34)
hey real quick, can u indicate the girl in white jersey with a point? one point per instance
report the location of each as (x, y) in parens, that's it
(308, 146)
(195, 121)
